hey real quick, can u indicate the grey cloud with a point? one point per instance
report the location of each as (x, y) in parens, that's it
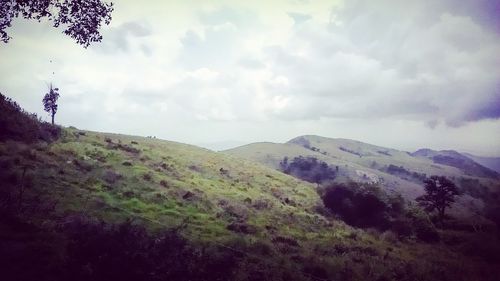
(416, 60)
(119, 38)
(299, 18)
(216, 45)
(240, 17)
(212, 50)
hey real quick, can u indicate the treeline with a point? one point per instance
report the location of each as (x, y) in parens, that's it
(367, 206)
(364, 205)
(308, 169)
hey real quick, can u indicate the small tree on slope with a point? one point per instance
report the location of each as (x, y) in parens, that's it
(440, 193)
(50, 101)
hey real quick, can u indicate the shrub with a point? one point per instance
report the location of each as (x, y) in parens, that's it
(111, 176)
(242, 227)
(484, 246)
(147, 177)
(98, 251)
(357, 205)
(422, 226)
(403, 227)
(308, 168)
(262, 204)
(82, 165)
(389, 237)
(20, 125)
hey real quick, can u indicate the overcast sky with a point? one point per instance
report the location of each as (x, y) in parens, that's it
(401, 74)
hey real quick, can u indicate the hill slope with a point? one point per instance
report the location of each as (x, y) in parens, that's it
(81, 205)
(454, 159)
(395, 170)
(492, 163)
(216, 198)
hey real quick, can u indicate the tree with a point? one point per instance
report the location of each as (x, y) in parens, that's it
(440, 193)
(358, 205)
(50, 101)
(82, 18)
(308, 168)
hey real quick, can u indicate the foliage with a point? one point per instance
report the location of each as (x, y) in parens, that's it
(476, 189)
(421, 225)
(19, 125)
(95, 250)
(403, 172)
(50, 101)
(309, 169)
(440, 193)
(81, 18)
(367, 206)
(358, 205)
(236, 227)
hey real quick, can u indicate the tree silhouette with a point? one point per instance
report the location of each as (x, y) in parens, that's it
(82, 18)
(440, 193)
(50, 101)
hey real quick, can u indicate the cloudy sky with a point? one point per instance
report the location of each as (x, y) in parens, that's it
(402, 74)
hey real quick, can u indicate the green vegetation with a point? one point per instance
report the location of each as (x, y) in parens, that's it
(97, 206)
(440, 193)
(50, 101)
(308, 168)
(19, 125)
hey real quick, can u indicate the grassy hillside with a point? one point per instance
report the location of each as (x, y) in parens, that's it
(165, 181)
(81, 205)
(396, 171)
(454, 159)
(217, 199)
(492, 163)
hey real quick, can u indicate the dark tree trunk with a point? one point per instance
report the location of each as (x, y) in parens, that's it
(441, 215)
(53, 119)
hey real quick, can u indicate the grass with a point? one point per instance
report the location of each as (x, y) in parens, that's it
(200, 199)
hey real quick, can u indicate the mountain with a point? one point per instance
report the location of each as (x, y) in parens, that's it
(394, 170)
(217, 197)
(492, 163)
(454, 159)
(220, 145)
(83, 205)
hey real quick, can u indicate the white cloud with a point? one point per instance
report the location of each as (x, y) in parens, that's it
(211, 71)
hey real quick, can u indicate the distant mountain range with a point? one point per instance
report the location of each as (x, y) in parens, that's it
(492, 163)
(393, 169)
(454, 159)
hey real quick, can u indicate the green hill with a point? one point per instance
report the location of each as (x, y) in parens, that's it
(395, 170)
(242, 220)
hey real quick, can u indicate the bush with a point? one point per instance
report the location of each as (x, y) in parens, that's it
(484, 246)
(98, 251)
(422, 226)
(389, 237)
(147, 177)
(19, 125)
(111, 176)
(357, 205)
(308, 168)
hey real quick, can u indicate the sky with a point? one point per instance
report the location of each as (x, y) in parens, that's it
(401, 74)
